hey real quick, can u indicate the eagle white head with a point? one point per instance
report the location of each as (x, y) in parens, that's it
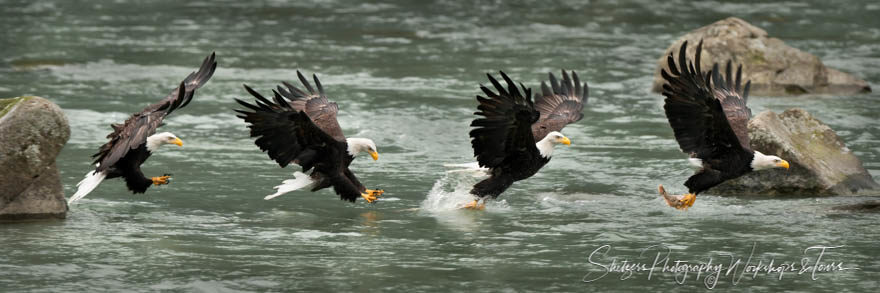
(358, 145)
(545, 146)
(763, 162)
(156, 140)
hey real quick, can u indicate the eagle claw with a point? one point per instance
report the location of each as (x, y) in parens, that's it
(161, 180)
(369, 197)
(682, 202)
(375, 192)
(475, 205)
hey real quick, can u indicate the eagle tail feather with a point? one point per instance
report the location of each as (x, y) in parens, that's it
(299, 181)
(89, 183)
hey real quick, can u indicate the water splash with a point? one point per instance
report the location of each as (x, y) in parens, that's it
(450, 192)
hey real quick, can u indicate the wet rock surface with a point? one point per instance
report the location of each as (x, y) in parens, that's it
(820, 162)
(33, 132)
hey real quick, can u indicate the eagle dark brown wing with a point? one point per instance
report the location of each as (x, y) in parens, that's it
(559, 104)
(134, 132)
(285, 133)
(506, 125)
(696, 116)
(192, 82)
(314, 103)
(733, 99)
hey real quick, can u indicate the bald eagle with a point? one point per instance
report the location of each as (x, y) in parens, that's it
(709, 116)
(300, 127)
(514, 137)
(132, 142)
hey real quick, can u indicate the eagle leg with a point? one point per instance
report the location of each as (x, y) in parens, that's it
(161, 180)
(475, 205)
(682, 202)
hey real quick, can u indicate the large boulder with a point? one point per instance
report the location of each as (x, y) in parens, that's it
(774, 68)
(33, 131)
(820, 163)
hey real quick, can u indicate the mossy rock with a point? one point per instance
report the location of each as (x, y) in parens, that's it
(33, 131)
(7, 104)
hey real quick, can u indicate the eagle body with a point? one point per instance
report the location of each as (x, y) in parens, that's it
(709, 117)
(514, 136)
(717, 170)
(132, 142)
(129, 168)
(519, 166)
(331, 170)
(300, 127)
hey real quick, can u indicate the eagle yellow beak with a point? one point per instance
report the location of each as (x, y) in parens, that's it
(564, 140)
(783, 164)
(374, 154)
(178, 142)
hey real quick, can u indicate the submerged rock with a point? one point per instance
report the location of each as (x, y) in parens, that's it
(820, 163)
(865, 207)
(33, 131)
(774, 68)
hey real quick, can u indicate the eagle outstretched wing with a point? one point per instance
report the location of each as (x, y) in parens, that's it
(506, 125)
(285, 133)
(733, 99)
(135, 130)
(559, 104)
(697, 116)
(314, 103)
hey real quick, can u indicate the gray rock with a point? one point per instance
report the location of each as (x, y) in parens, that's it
(33, 130)
(820, 163)
(774, 68)
(864, 207)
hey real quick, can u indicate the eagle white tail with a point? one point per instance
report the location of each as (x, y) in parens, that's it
(300, 180)
(466, 167)
(88, 184)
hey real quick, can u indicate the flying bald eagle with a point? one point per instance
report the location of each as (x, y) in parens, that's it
(300, 127)
(132, 142)
(709, 117)
(515, 137)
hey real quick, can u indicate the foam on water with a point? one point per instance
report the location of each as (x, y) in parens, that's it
(91, 127)
(312, 234)
(450, 192)
(109, 71)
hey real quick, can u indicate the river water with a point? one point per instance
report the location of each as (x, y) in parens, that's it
(405, 74)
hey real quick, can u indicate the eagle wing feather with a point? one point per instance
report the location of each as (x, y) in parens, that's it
(505, 125)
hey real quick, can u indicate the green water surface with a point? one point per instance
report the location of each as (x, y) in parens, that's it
(405, 74)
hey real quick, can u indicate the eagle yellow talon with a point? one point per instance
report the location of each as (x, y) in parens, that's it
(679, 202)
(161, 180)
(375, 192)
(686, 201)
(370, 198)
(475, 205)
